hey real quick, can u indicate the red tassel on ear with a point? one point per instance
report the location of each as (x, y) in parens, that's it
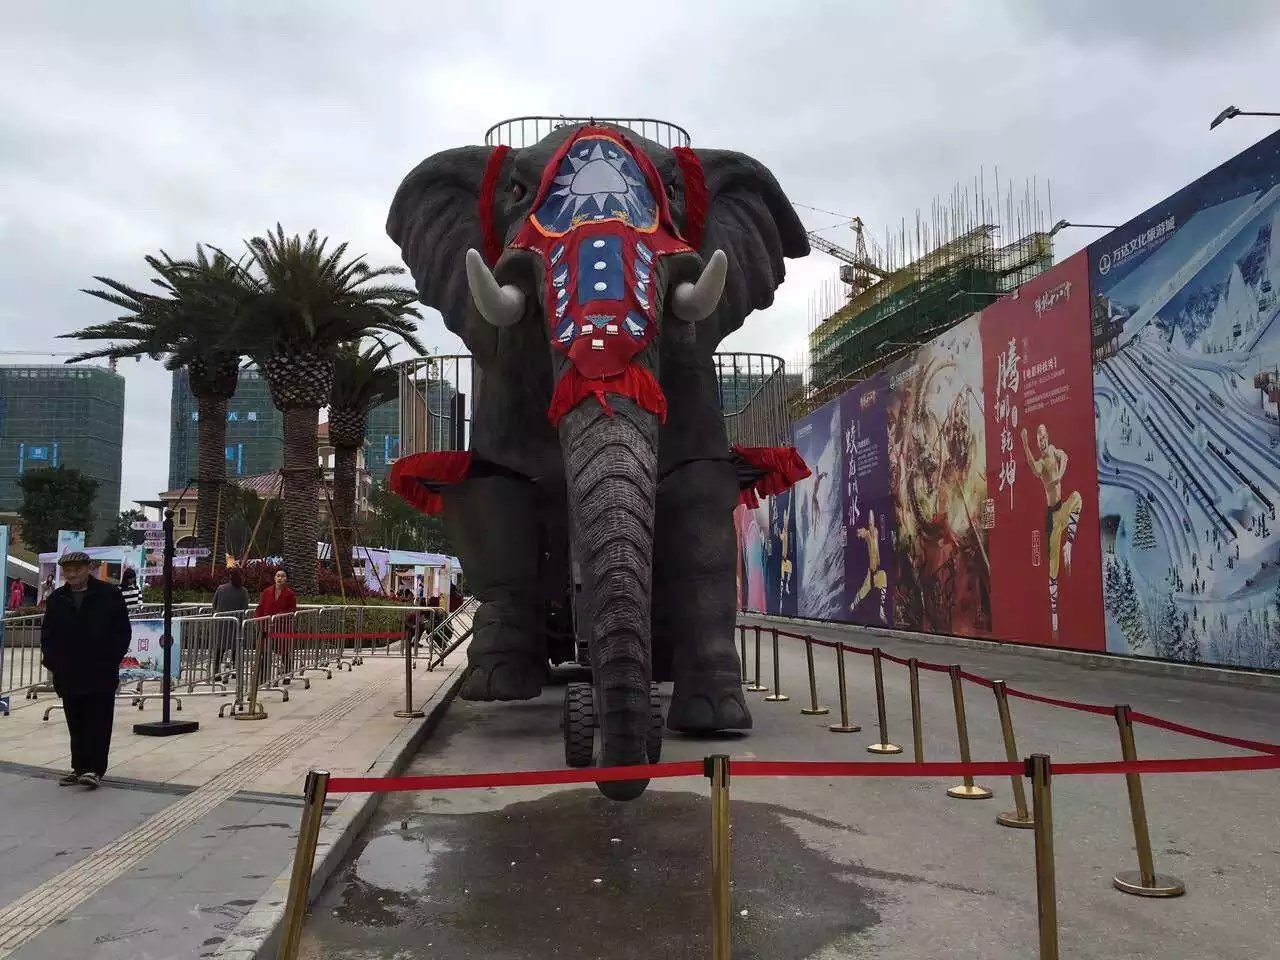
(417, 479)
(635, 382)
(695, 196)
(782, 467)
(488, 190)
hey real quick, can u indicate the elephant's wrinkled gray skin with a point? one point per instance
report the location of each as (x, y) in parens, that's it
(646, 509)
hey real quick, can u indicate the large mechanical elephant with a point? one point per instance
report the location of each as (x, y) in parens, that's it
(592, 276)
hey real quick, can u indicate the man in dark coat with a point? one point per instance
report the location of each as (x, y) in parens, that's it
(84, 636)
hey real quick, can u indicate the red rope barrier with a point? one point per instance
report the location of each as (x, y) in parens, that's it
(1150, 721)
(810, 769)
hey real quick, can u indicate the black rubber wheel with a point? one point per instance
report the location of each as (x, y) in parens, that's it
(579, 725)
(653, 742)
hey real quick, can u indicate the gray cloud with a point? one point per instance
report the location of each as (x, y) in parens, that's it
(138, 125)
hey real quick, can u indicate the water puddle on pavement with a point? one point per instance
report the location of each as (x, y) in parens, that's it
(574, 875)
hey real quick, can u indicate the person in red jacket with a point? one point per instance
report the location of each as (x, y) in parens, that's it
(279, 598)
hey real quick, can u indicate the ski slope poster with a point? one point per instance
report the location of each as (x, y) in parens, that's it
(1186, 348)
(1041, 515)
(818, 505)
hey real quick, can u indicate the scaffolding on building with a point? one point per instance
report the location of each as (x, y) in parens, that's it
(924, 279)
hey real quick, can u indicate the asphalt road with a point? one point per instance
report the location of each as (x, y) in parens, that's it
(823, 868)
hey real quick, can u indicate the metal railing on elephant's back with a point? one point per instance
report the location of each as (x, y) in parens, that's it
(754, 391)
(520, 132)
(438, 396)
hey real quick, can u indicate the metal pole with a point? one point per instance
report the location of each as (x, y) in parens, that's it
(1143, 882)
(1040, 771)
(777, 696)
(166, 638)
(755, 684)
(966, 791)
(408, 712)
(882, 745)
(295, 909)
(253, 709)
(742, 640)
(844, 726)
(917, 721)
(717, 769)
(813, 710)
(1019, 818)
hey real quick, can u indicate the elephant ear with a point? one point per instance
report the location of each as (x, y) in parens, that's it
(435, 217)
(752, 221)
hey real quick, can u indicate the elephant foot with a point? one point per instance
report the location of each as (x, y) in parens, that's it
(706, 704)
(504, 678)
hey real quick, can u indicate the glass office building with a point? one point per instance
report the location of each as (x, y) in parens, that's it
(57, 415)
(255, 429)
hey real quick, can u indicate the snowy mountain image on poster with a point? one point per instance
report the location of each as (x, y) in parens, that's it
(818, 507)
(1186, 344)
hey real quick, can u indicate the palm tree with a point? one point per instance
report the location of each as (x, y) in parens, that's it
(303, 304)
(185, 324)
(360, 383)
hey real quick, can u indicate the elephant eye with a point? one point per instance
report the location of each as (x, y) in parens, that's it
(517, 190)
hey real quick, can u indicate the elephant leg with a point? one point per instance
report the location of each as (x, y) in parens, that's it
(694, 597)
(492, 522)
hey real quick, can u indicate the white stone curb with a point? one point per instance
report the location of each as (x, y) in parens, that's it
(257, 935)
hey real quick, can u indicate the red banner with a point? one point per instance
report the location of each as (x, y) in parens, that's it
(1042, 509)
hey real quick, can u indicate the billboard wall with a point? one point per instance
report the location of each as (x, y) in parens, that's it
(1186, 345)
(954, 491)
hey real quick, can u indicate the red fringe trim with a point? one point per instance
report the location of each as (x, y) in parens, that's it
(488, 190)
(695, 193)
(635, 382)
(783, 468)
(412, 478)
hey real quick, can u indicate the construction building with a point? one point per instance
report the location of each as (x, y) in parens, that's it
(63, 416)
(921, 282)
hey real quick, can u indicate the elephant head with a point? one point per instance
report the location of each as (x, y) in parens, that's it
(594, 257)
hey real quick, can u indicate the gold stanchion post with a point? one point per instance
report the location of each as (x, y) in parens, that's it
(966, 790)
(883, 745)
(295, 908)
(755, 683)
(742, 642)
(777, 696)
(813, 710)
(253, 709)
(1143, 882)
(1040, 771)
(717, 770)
(1018, 817)
(408, 712)
(917, 720)
(844, 726)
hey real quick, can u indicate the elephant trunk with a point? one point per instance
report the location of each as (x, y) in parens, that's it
(611, 467)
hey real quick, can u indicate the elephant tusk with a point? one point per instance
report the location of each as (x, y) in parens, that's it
(692, 302)
(501, 304)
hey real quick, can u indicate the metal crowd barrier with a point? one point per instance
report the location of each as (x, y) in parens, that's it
(20, 667)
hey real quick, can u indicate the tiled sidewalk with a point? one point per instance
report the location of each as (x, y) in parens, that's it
(165, 860)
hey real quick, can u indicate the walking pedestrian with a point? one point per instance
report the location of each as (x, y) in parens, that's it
(130, 590)
(84, 636)
(279, 598)
(231, 598)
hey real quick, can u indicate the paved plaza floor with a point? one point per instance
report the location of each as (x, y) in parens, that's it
(827, 869)
(187, 832)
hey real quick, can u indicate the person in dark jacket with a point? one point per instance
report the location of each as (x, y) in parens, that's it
(83, 637)
(230, 599)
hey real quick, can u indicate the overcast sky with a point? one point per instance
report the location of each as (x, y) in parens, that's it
(130, 126)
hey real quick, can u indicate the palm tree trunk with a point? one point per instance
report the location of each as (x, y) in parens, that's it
(301, 496)
(211, 470)
(344, 501)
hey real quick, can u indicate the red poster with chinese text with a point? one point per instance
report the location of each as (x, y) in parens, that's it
(1046, 579)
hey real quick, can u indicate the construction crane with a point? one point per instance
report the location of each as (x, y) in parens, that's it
(112, 362)
(858, 269)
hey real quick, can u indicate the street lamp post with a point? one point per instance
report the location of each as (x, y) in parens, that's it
(1233, 111)
(1063, 224)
